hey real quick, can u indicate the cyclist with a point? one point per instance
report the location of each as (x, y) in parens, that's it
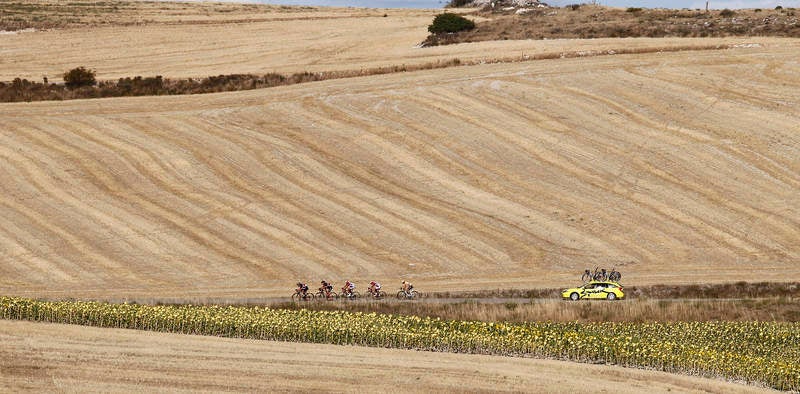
(407, 286)
(326, 288)
(302, 288)
(374, 288)
(348, 288)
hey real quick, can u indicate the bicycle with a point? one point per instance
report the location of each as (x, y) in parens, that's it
(331, 295)
(377, 294)
(599, 274)
(350, 295)
(407, 295)
(596, 275)
(614, 275)
(298, 296)
(587, 276)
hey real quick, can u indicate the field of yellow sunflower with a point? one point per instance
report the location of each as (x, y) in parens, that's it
(763, 352)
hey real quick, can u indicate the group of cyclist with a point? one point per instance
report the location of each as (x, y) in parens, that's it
(348, 289)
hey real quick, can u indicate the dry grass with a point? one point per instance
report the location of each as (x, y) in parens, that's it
(740, 289)
(742, 301)
(631, 310)
(590, 21)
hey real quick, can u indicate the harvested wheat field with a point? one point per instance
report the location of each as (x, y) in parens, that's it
(196, 43)
(675, 167)
(677, 163)
(55, 357)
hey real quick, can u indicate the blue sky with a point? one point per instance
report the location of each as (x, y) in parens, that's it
(717, 4)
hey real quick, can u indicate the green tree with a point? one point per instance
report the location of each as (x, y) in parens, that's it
(450, 23)
(78, 77)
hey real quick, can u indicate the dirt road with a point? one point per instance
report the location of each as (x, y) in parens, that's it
(53, 357)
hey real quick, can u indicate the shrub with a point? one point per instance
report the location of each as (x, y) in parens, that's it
(726, 13)
(574, 7)
(778, 8)
(136, 86)
(633, 9)
(78, 77)
(457, 3)
(450, 23)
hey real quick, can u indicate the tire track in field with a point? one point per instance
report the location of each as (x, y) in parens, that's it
(372, 167)
(468, 176)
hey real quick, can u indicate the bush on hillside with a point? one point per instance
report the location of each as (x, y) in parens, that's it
(450, 23)
(726, 13)
(457, 3)
(79, 77)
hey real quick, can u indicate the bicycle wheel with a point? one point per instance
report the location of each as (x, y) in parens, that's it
(586, 277)
(413, 294)
(380, 294)
(401, 295)
(333, 296)
(296, 297)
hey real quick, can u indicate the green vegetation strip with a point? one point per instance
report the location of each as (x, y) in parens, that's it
(762, 352)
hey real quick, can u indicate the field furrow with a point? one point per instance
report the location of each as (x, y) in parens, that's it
(517, 174)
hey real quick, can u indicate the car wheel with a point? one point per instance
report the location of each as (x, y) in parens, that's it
(574, 296)
(611, 296)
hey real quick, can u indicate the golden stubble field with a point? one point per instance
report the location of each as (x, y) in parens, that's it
(677, 167)
(190, 40)
(63, 358)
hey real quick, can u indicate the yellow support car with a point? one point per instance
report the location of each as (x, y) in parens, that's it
(595, 290)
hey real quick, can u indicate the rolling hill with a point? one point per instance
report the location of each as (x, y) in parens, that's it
(675, 167)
